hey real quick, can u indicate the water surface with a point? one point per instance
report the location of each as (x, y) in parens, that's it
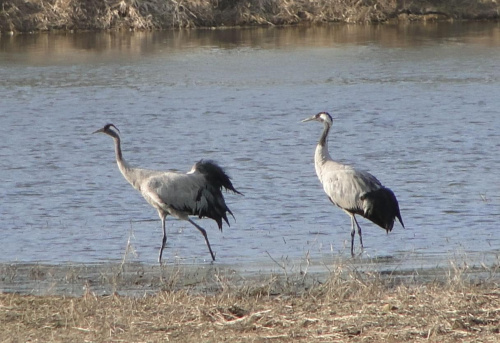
(415, 105)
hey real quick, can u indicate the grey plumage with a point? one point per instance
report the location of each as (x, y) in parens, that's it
(196, 193)
(355, 191)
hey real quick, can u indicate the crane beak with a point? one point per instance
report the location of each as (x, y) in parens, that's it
(97, 131)
(309, 119)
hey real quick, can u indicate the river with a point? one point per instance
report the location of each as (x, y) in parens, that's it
(417, 105)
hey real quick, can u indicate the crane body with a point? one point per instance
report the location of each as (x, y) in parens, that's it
(357, 192)
(181, 195)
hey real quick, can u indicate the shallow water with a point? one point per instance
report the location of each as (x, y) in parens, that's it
(416, 105)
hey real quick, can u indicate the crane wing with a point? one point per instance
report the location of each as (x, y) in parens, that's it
(171, 191)
(345, 186)
(182, 195)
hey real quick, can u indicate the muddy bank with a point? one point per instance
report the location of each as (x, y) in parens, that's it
(138, 279)
(68, 15)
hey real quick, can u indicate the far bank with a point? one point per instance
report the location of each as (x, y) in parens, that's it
(93, 15)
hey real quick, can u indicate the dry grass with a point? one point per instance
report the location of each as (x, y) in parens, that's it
(348, 307)
(43, 15)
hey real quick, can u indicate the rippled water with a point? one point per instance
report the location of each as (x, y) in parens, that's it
(417, 106)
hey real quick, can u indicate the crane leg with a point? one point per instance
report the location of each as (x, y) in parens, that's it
(164, 240)
(204, 233)
(353, 232)
(359, 232)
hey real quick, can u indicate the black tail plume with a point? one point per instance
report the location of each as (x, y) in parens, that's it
(215, 175)
(381, 207)
(212, 192)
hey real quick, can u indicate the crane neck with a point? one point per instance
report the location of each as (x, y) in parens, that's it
(322, 154)
(125, 169)
(118, 149)
(323, 140)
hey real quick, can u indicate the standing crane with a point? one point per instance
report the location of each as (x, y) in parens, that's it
(196, 193)
(354, 191)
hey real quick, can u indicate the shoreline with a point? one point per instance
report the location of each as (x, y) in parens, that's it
(33, 16)
(137, 279)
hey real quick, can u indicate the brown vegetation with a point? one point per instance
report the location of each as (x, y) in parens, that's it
(352, 307)
(45, 15)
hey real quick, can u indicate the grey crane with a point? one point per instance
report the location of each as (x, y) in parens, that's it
(354, 191)
(197, 193)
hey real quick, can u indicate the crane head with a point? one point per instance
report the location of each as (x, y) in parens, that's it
(107, 130)
(322, 117)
